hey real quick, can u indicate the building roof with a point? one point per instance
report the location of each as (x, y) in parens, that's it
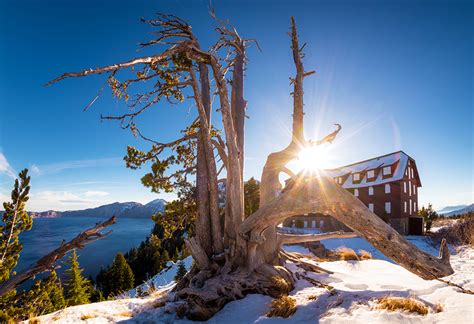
(397, 159)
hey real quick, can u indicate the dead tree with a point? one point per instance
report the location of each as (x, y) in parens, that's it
(47, 262)
(236, 255)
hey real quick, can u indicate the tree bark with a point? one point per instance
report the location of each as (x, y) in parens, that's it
(216, 228)
(203, 222)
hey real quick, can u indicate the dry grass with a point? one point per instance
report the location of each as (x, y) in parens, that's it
(312, 297)
(458, 233)
(125, 314)
(365, 255)
(284, 306)
(87, 316)
(394, 304)
(280, 283)
(438, 308)
(347, 254)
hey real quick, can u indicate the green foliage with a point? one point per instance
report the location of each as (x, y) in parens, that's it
(429, 215)
(117, 279)
(251, 196)
(15, 220)
(77, 287)
(181, 271)
(44, 297)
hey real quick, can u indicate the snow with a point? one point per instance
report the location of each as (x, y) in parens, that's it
(164, 279)
(371, 164)
(357, 284)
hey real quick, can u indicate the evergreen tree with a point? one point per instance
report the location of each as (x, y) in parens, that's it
(15, 220)
(181, 271)
(429, 215)
(76, 285)
(116, 279)
(251, 196)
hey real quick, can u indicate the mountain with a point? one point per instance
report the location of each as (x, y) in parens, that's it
(449, 209)
(158, 205)
(126, 209)
(456, 210)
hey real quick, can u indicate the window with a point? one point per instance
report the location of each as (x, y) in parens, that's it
(387, 188)
(370, 174)
(409, 188)
(388, 207)
(410, 206)
(412, 173)
(371, 207)
(414, 207)
(371, 191)
(414, 189)
(356, 177)
(406, 172)
(387, 170)
(404, 187)
(313, 224)
(356, 192)
(404, 206)
(305, 224)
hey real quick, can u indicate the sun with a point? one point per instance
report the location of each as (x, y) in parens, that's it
(314, 158)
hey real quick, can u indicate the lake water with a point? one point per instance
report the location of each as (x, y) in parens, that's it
(48, 233)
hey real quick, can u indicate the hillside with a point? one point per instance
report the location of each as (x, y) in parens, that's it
(357, 285)
(456, 210)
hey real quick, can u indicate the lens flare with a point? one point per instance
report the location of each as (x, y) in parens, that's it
(314, 158)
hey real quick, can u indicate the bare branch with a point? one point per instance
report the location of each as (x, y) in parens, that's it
(302, 238)
(114, 67)
(46, 263)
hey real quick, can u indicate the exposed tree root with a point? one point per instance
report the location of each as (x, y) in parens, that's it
(206, 297)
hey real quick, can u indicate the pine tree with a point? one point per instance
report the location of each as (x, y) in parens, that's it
(76, 285)
(181, 271)
(118, 278)
(251, 196)
(54, 289)
(14, 221)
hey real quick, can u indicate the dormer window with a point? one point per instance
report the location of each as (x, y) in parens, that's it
(370, 174)
(387, 170)
(356, 177)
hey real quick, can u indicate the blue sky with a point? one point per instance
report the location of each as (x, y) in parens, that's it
(395, 74)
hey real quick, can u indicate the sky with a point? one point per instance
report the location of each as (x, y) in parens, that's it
(397, 75)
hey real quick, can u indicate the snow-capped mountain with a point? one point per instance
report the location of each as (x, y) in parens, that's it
(158, 205)
(456, 210)
(126, 209)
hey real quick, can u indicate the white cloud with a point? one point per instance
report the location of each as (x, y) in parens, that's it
(35, 169)
(62, 200)
(76, 164)
(5, 167)
(96, 193)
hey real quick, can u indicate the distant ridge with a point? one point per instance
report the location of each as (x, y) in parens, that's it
(120, 210)
(456, 210)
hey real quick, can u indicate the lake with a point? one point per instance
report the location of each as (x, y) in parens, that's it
(48, 233)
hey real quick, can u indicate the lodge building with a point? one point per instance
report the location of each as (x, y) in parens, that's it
(387, 185)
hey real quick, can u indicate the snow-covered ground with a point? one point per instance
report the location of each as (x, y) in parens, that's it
(357, 284)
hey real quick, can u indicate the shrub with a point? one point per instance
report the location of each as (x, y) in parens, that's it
(284, 306)
(347, 254)
(394, 304)
(458, 233)
(365, 255)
